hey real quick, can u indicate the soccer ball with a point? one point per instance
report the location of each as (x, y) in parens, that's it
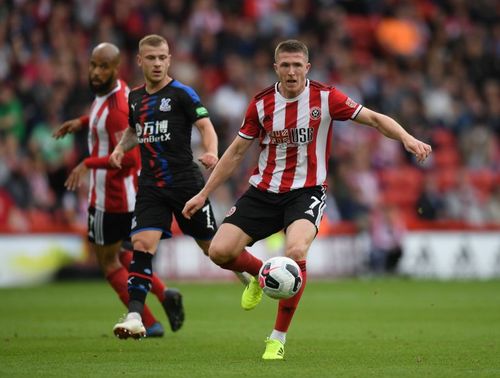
(280, 277)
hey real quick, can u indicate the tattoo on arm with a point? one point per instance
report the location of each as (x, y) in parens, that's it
(129, 140)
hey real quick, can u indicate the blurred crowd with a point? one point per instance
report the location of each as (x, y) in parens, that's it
(433, 65)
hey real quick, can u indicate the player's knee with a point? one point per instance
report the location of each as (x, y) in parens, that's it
(141, 245)
(219, 254)
(297, 252)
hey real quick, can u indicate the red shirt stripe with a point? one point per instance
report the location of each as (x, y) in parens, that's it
(291, 152)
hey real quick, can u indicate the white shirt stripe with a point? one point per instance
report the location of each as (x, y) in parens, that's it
(322, 139)
(130, 192)
(100, 187)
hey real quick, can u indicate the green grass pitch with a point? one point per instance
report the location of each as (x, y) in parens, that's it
(347, 328)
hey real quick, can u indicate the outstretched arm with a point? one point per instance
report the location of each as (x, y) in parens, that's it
(71, 126)
(128, 141)
(209, 139)
(391, 129)
(223, 170)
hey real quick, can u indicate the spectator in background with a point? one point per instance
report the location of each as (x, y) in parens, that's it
(492, 95)
(387, 229)
(230, 99)
(462, 203)
(478, 147)
(347, 195)
(205, 17)
(451, 76)
(56, 155)
(45, 198)
(18, 186)
(493, 206)
(430, 203)
(11, 115)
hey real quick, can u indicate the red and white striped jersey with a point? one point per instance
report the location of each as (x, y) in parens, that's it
(111, 190)
(295, 135)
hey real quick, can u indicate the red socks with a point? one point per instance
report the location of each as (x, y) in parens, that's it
(287, 307)
(118, 281)
(245, 262)
(157, 285)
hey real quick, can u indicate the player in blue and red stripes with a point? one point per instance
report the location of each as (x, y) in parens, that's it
(161, 115)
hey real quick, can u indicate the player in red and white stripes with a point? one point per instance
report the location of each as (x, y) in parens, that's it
(292, 120)
(112, 191)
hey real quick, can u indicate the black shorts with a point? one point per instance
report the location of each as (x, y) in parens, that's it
(108, 228)
(154, 208)
(260, 214)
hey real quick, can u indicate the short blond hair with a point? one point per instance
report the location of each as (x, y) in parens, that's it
(291, 46)
(152, 40)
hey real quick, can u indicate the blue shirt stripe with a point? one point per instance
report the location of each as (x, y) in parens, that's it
(190, 91)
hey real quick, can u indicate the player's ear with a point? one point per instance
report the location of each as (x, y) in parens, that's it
(308, 67)
(139, 60)
(275, 66)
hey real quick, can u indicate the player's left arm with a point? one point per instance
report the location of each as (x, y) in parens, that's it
(210, 142)
(116, 122)
(391, 129)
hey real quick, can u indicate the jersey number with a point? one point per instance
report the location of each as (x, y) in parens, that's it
(206, 210)
(315, 203)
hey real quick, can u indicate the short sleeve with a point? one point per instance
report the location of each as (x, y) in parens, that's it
(192, 104)
(341, 106)
(250, 128)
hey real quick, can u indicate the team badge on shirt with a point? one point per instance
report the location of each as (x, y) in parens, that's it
(165, 105)
(315, 113)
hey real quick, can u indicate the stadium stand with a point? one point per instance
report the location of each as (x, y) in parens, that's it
(440, 80)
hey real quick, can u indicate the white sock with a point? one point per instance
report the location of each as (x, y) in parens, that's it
(277, 335)
(134, 315)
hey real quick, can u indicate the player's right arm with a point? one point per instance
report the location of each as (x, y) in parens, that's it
(128, 141)
(71, 126)
(223, 170)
